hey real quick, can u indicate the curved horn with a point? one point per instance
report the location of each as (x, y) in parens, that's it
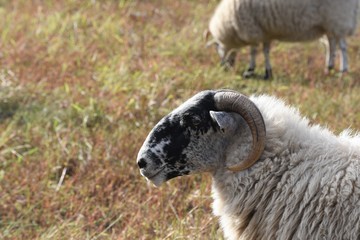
(206, 34)
(228, 100)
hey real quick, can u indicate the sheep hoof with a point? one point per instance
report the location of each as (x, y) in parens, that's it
(250, 72)
(343, 73)
(329, 70)
(268, 74)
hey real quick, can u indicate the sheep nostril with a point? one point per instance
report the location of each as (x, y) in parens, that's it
(142, 163)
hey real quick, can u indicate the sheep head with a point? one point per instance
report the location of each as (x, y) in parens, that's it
(197, 136)
(227, 56)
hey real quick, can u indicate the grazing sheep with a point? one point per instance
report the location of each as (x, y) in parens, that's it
(238, 23)
(275, 176)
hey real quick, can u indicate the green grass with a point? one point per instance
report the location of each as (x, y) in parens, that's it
(81, 85)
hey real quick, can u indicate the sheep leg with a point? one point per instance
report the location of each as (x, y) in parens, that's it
(330, 54)
(268, 69)
(251, 70)
(343, 60)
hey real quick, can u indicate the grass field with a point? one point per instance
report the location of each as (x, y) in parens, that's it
(83, 82)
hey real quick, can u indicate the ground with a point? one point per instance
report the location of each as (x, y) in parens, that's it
(83, 82)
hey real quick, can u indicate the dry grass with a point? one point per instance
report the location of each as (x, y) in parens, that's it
(82, 83)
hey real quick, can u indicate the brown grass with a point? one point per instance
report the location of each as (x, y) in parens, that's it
(82, 83)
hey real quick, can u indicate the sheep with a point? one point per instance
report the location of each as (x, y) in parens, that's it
(274, 176)
(238, 23)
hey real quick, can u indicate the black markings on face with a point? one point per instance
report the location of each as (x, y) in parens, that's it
(161, 132)
(172, 174)
(176, 131)
(155, 158)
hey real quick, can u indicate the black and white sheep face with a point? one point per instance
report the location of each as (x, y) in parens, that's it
(183, 142)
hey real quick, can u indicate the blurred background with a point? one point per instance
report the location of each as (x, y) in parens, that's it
(82, 82)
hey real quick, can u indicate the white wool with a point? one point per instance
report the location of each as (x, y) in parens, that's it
(256, 21)
(305, 186)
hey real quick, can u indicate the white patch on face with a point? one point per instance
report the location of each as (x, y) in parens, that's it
(158, 150)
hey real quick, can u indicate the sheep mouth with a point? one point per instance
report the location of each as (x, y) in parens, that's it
(154, 174)
(157, 178)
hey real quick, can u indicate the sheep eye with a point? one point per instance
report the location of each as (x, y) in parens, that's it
(196, 120)
(190, 120)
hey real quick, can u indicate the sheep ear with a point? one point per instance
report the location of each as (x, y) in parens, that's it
(224, 120)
